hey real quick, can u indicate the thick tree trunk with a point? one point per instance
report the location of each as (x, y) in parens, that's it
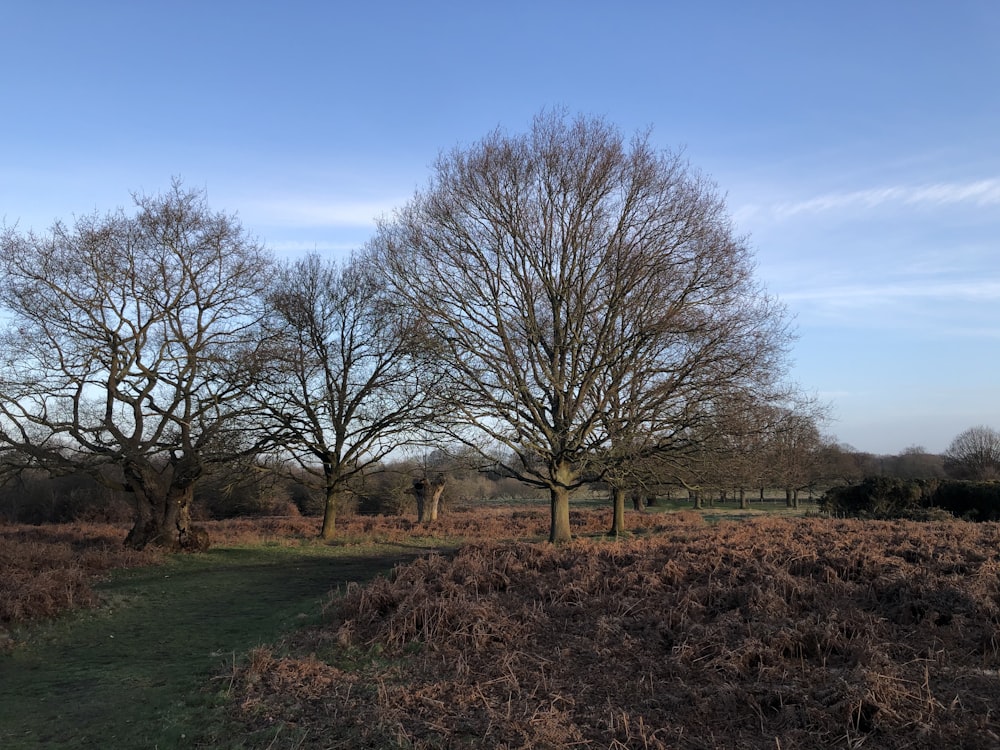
(618, 517)
(559, 530)
(163, 513)
(744, 500)
(330, 506)
(428, 495)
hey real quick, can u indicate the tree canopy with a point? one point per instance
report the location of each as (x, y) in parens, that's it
(590, 294)
(129, 343)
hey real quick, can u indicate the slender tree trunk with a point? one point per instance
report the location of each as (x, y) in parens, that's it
(618, 518)
(696, 497)
(419, 494)
(637, 501)
(437, 490)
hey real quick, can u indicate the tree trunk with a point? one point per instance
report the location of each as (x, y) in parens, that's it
(437, 489)
(163, 513)
(637, 501)
(618, 518)
(330, 511)
(428, 495)
(189, 537)
(744, 500)
(788, 497)
(559, 531)
(696, 497)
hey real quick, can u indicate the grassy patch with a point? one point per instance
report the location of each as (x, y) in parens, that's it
(133, 672)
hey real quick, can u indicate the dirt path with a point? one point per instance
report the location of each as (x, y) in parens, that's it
(137, 673)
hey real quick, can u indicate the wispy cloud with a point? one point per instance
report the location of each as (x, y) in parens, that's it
(852, 294)
(977, 193)
(298, 247)
(313, 212)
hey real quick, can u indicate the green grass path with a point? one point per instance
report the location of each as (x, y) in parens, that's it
(138, 672)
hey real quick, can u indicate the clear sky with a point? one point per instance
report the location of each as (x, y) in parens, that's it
(858, 144)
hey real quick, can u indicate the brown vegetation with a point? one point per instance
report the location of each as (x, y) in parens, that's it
(46, 570)
(770, 633)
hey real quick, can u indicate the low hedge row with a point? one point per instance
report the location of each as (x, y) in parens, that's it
(888, 497)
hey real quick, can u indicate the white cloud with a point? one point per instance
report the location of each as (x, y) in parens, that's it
(850, 294)
(977, 193)
(314, 212)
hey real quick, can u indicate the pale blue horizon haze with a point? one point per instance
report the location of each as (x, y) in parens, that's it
(857, 145)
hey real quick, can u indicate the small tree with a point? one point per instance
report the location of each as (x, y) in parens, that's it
(974, 454)
(349, 383)
(131, 341)
(564, 269)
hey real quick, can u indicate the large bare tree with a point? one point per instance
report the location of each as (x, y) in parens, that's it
(350, 384)
(571, 273)
(129, 343)
(974, 454)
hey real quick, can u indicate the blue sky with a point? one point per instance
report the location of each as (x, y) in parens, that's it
(858, 144)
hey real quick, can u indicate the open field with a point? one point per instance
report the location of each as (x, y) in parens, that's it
(767, 632)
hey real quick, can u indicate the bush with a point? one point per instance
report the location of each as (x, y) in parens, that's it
(37, 498)
(976, 501)
(887, 497)
(878, 497)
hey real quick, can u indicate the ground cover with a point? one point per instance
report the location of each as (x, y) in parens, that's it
(787, 633)
(146, 666)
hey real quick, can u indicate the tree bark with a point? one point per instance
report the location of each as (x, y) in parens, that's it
(330, 512)
(559, 531)
(744, 500)
(428, 495)
(163, 513)
(637, 501)
(618, 518)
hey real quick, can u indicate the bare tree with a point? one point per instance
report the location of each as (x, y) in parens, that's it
(564, 270)
(130, 343)
(349, 384)
(794, 449)
(974, 454)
